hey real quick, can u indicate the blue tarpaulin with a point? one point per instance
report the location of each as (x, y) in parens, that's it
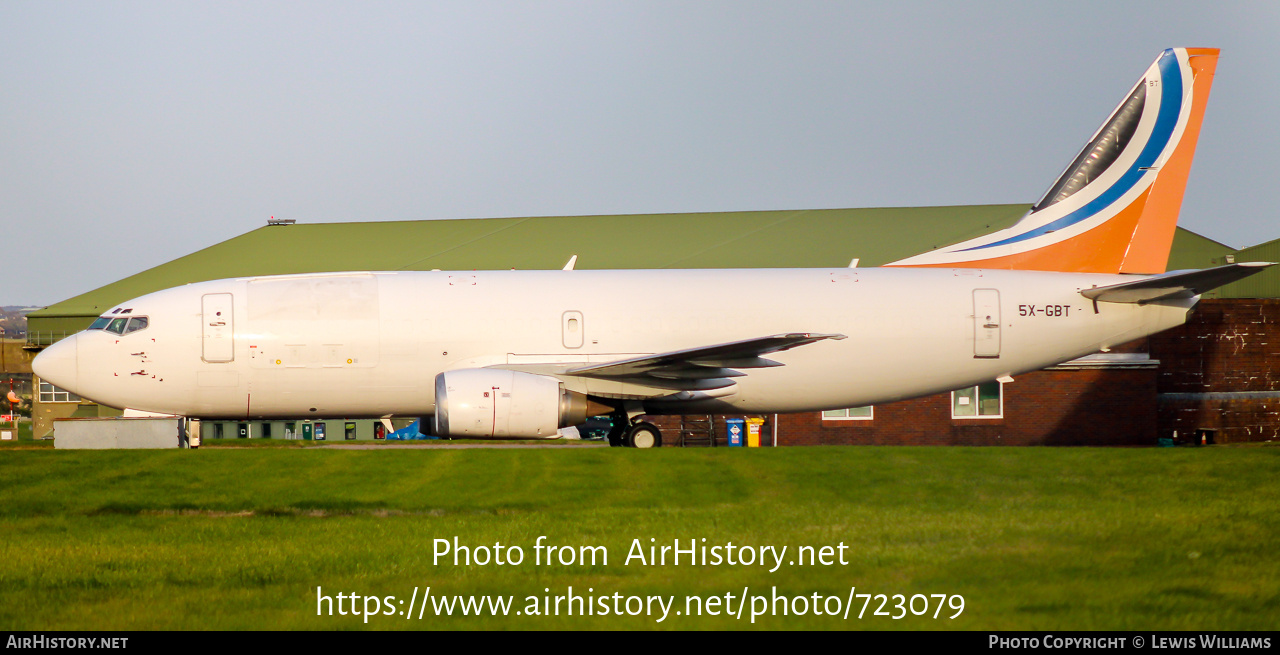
(409, 433)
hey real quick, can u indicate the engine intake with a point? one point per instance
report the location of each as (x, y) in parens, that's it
(488, 402)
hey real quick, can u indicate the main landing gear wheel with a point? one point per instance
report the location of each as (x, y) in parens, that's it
(644, 435)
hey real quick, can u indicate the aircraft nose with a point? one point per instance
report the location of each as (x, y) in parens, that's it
(58, 364)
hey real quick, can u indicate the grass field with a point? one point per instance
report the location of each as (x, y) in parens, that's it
(1032, 538)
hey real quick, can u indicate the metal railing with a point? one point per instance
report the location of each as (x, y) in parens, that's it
(36, 340)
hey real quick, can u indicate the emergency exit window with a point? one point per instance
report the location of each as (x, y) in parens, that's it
(979, 401)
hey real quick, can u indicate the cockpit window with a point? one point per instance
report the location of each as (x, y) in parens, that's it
(136, 323)
(122, 325)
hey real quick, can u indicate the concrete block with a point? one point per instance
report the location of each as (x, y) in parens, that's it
(117, 432)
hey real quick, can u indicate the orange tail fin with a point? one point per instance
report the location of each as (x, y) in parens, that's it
(1116, 207)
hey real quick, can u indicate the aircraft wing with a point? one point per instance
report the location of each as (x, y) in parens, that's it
(1175, 284)
(706, 363)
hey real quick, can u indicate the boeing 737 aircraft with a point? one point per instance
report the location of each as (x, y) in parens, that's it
(506, 354)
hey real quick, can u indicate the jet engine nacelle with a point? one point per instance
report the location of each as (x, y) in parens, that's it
(487, 402)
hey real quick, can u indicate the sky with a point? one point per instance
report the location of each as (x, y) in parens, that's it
(132, 133)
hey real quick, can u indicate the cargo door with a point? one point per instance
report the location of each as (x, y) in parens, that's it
(986, 323)
(219, 339)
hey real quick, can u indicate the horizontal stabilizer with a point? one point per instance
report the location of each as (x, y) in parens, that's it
(1176, 284)
(705, 363)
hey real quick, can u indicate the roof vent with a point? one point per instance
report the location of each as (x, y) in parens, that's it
(280, 221)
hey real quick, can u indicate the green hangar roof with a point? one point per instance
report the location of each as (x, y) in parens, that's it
(765, 239)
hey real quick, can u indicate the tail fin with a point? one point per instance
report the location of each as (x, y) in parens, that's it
(1115, 208)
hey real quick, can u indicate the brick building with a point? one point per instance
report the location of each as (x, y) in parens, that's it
(1061, 407)
(1221, 372)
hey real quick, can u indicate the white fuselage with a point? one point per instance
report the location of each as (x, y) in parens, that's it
(371, 344)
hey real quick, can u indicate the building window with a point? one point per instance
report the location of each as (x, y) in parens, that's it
(981, 401)
(52, 394)
(853, 413)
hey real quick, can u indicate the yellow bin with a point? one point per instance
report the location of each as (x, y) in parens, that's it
(753, 432)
